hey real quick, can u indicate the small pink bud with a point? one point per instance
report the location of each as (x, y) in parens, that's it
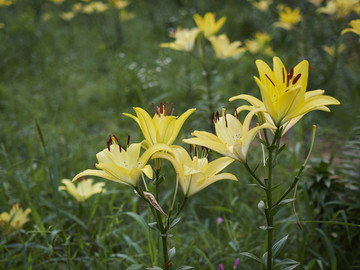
(236, 263)
(219, 220)
(221, 267)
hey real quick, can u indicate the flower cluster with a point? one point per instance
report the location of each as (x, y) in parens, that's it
(207, 27)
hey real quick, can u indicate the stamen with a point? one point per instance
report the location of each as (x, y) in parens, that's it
(128, 141)
(172, 112)
(291, 74)
(161, 107)
(270, 79)
(156, 109)
(212, 117)
(296, 78)
(283, 73)
(195, 150)
(108, 145)
(217, 116)
(190, 149)
(168, 110)
(115, 138)
(224, 116)
(236, 113)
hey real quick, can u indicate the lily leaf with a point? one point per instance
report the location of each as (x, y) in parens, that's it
(185, 267)
(261, 206)
(171, 252)
(286, 262)
(154, 226)
(175, 222)
(251, 256)
(278, 246)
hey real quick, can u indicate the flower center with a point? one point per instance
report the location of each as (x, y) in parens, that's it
(163, 110)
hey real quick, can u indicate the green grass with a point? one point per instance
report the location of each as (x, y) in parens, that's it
(63, 89)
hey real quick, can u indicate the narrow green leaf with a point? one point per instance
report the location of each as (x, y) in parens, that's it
(75, 218)
(40, 133)
(175, 222)
(154, 226)
(285, 262)
(252, 256)
(135, 267)
(171, 252)
(38, 221)
(261, 206)
(278, 246)
(185, 267)
(291, 267)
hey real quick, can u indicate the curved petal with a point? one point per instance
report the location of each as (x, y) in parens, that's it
(165, 129)
(252, 100)
(133, 117)
(147, 170)
(146, 125)
(119, 173)
(264, 70)
(98, 173)
(217, 146)
(303, 69)
(280, 74)
(177, 165)
(70, 188)
(216, 166)
(149, 152)
(179, 123)
(228, 129)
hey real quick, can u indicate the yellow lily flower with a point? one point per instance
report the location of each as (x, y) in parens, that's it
(260, 43)
(184, 40)
(123, 166)
(340, 8)
(288, 18)
(232, 138)
(17, 217)
(262, 5)
(163, 127)
(196, 173)
(208, 25)
(355, 27)
(84, 189)
(224, 49)
(332, 50)
(96, 6)
(284, 95)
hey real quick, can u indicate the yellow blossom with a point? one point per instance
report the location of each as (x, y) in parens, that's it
(232, 138)
(2, 25)
(84, 189)
(119, 4)
(224, 49)
(95, 7)
(331, 50)
(17, 217)
(284, 94)
(6, 2)
(184, 39)
(77, 7)
(163, 127)
(288, 18)
(207, 25)
(259, 44)
(125, 15)
(196, 173)
(123, 166)
(316, 2)
(262, 5)
(67, 16)
(340, 8)
(355, 27)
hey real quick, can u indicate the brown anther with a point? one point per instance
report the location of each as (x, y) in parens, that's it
(168, 108)
(109, 142)
(296, 78)
(283, 73)
(291, 74)
(172, 112)
(217, 116)
(120, 147)
(156, 109)
(236, 113)
(225, 120)
(161, 107)
(270, 79)
(213, 117)
(115, 138)
(128, 141)
(195, 150)
(190, 149)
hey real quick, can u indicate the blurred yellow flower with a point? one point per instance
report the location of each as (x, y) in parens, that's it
(284, 94)
(224, 49)
(77, 7)
(125, 15)
(262, 5)
(207, 25)
(6, 2)
(196, 173)
(355, 27)
(67, 16)
(163, 127)
(123, 166)
(84, 189)
(57, 1)
(259, 44)
(119, 4)
(2, 25)
(331, 50)
(316, 2)
(184, 39)
(17, 217)
(95, 7)
(340, 8)
(232, 138)
(288, 18)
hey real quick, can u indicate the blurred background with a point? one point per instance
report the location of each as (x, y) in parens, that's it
(69, 69)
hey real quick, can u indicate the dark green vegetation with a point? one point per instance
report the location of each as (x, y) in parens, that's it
(64, 86)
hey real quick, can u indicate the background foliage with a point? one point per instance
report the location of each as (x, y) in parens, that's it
(64, 85)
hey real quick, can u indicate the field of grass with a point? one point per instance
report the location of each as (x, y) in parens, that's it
(67, 78)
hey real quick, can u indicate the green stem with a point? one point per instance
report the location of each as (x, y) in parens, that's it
(269, 218)
(253, 175)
